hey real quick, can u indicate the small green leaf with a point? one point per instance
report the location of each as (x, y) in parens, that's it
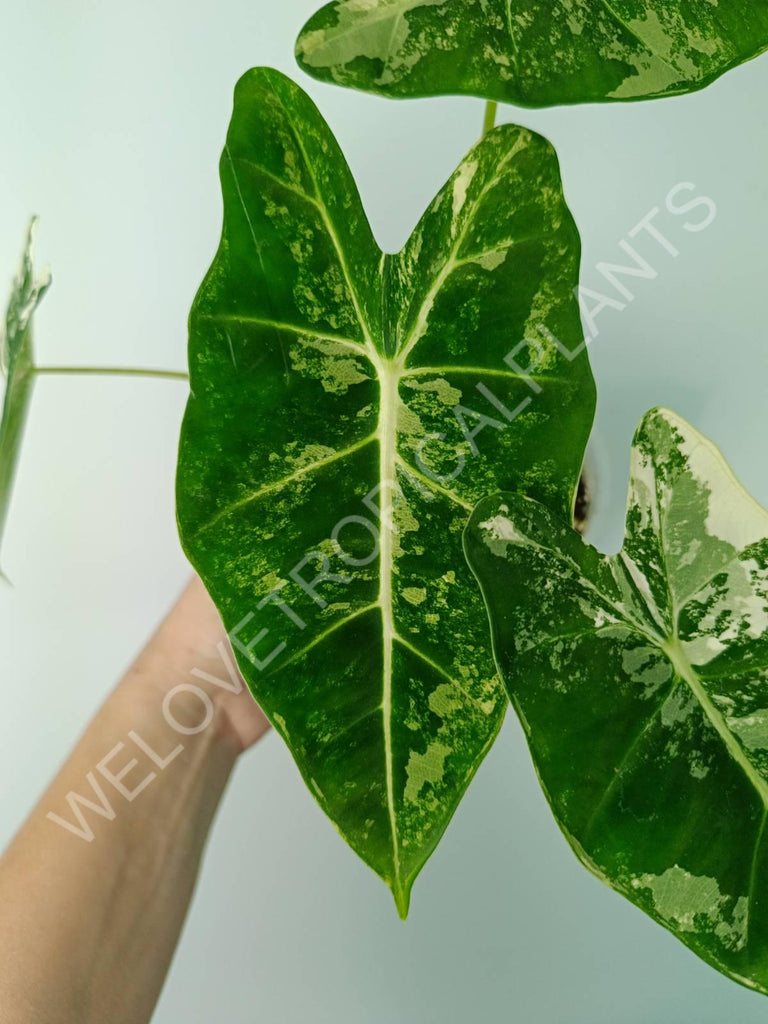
(531, 54)
(330, 381)
(641, 680)
(17, 365)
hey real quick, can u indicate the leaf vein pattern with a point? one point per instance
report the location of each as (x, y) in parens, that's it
(432, 484)
(329, 632)
(330, 227)
(439, 668)
(310, 332)
(312, 467)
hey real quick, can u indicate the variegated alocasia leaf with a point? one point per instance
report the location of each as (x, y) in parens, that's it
(641, 680)
(531, 54)
(17, 364)
(348, 409)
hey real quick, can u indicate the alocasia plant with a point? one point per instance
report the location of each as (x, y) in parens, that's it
(348, 408)
(641, 680)
(17, 364)
(531, 54)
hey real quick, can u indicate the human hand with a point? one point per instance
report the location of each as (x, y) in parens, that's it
(95, 887)
(192, 647)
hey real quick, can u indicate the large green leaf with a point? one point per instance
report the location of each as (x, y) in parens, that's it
(531, 54)
(330, 380)
(17, 363)
(641, 680)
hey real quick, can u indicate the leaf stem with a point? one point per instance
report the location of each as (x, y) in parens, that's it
(112, 371)
(490, 116)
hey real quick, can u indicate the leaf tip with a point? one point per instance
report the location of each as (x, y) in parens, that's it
(402, 896)
(28, 288)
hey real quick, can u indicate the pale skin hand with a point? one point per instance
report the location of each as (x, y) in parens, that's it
(88, 929)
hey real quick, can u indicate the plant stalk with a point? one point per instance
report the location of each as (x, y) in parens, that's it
(112, 371)
(490, 116)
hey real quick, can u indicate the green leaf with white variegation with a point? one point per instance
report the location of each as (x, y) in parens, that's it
(348, 409)
(641, 680)
(17, 365)
(531, 54)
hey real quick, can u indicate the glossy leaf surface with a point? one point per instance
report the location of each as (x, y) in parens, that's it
(336, 441)
(531, 54)
(17, 365)
(641, 680)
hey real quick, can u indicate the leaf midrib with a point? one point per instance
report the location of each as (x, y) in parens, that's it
(681, 664)
(387, 426)
(673, 649)
(683, 669)
(390, 369)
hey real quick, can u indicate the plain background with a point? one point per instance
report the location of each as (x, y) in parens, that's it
(113, 116)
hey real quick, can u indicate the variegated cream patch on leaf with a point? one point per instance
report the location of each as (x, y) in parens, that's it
(531, 54)
(17, 366)
(348, 409)
(641, 680)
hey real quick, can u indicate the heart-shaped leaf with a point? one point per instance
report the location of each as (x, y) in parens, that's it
(531, 54)
(641, 680)
(348, 409)
(17, 364)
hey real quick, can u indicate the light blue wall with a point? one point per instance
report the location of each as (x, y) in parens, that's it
(113, 115)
